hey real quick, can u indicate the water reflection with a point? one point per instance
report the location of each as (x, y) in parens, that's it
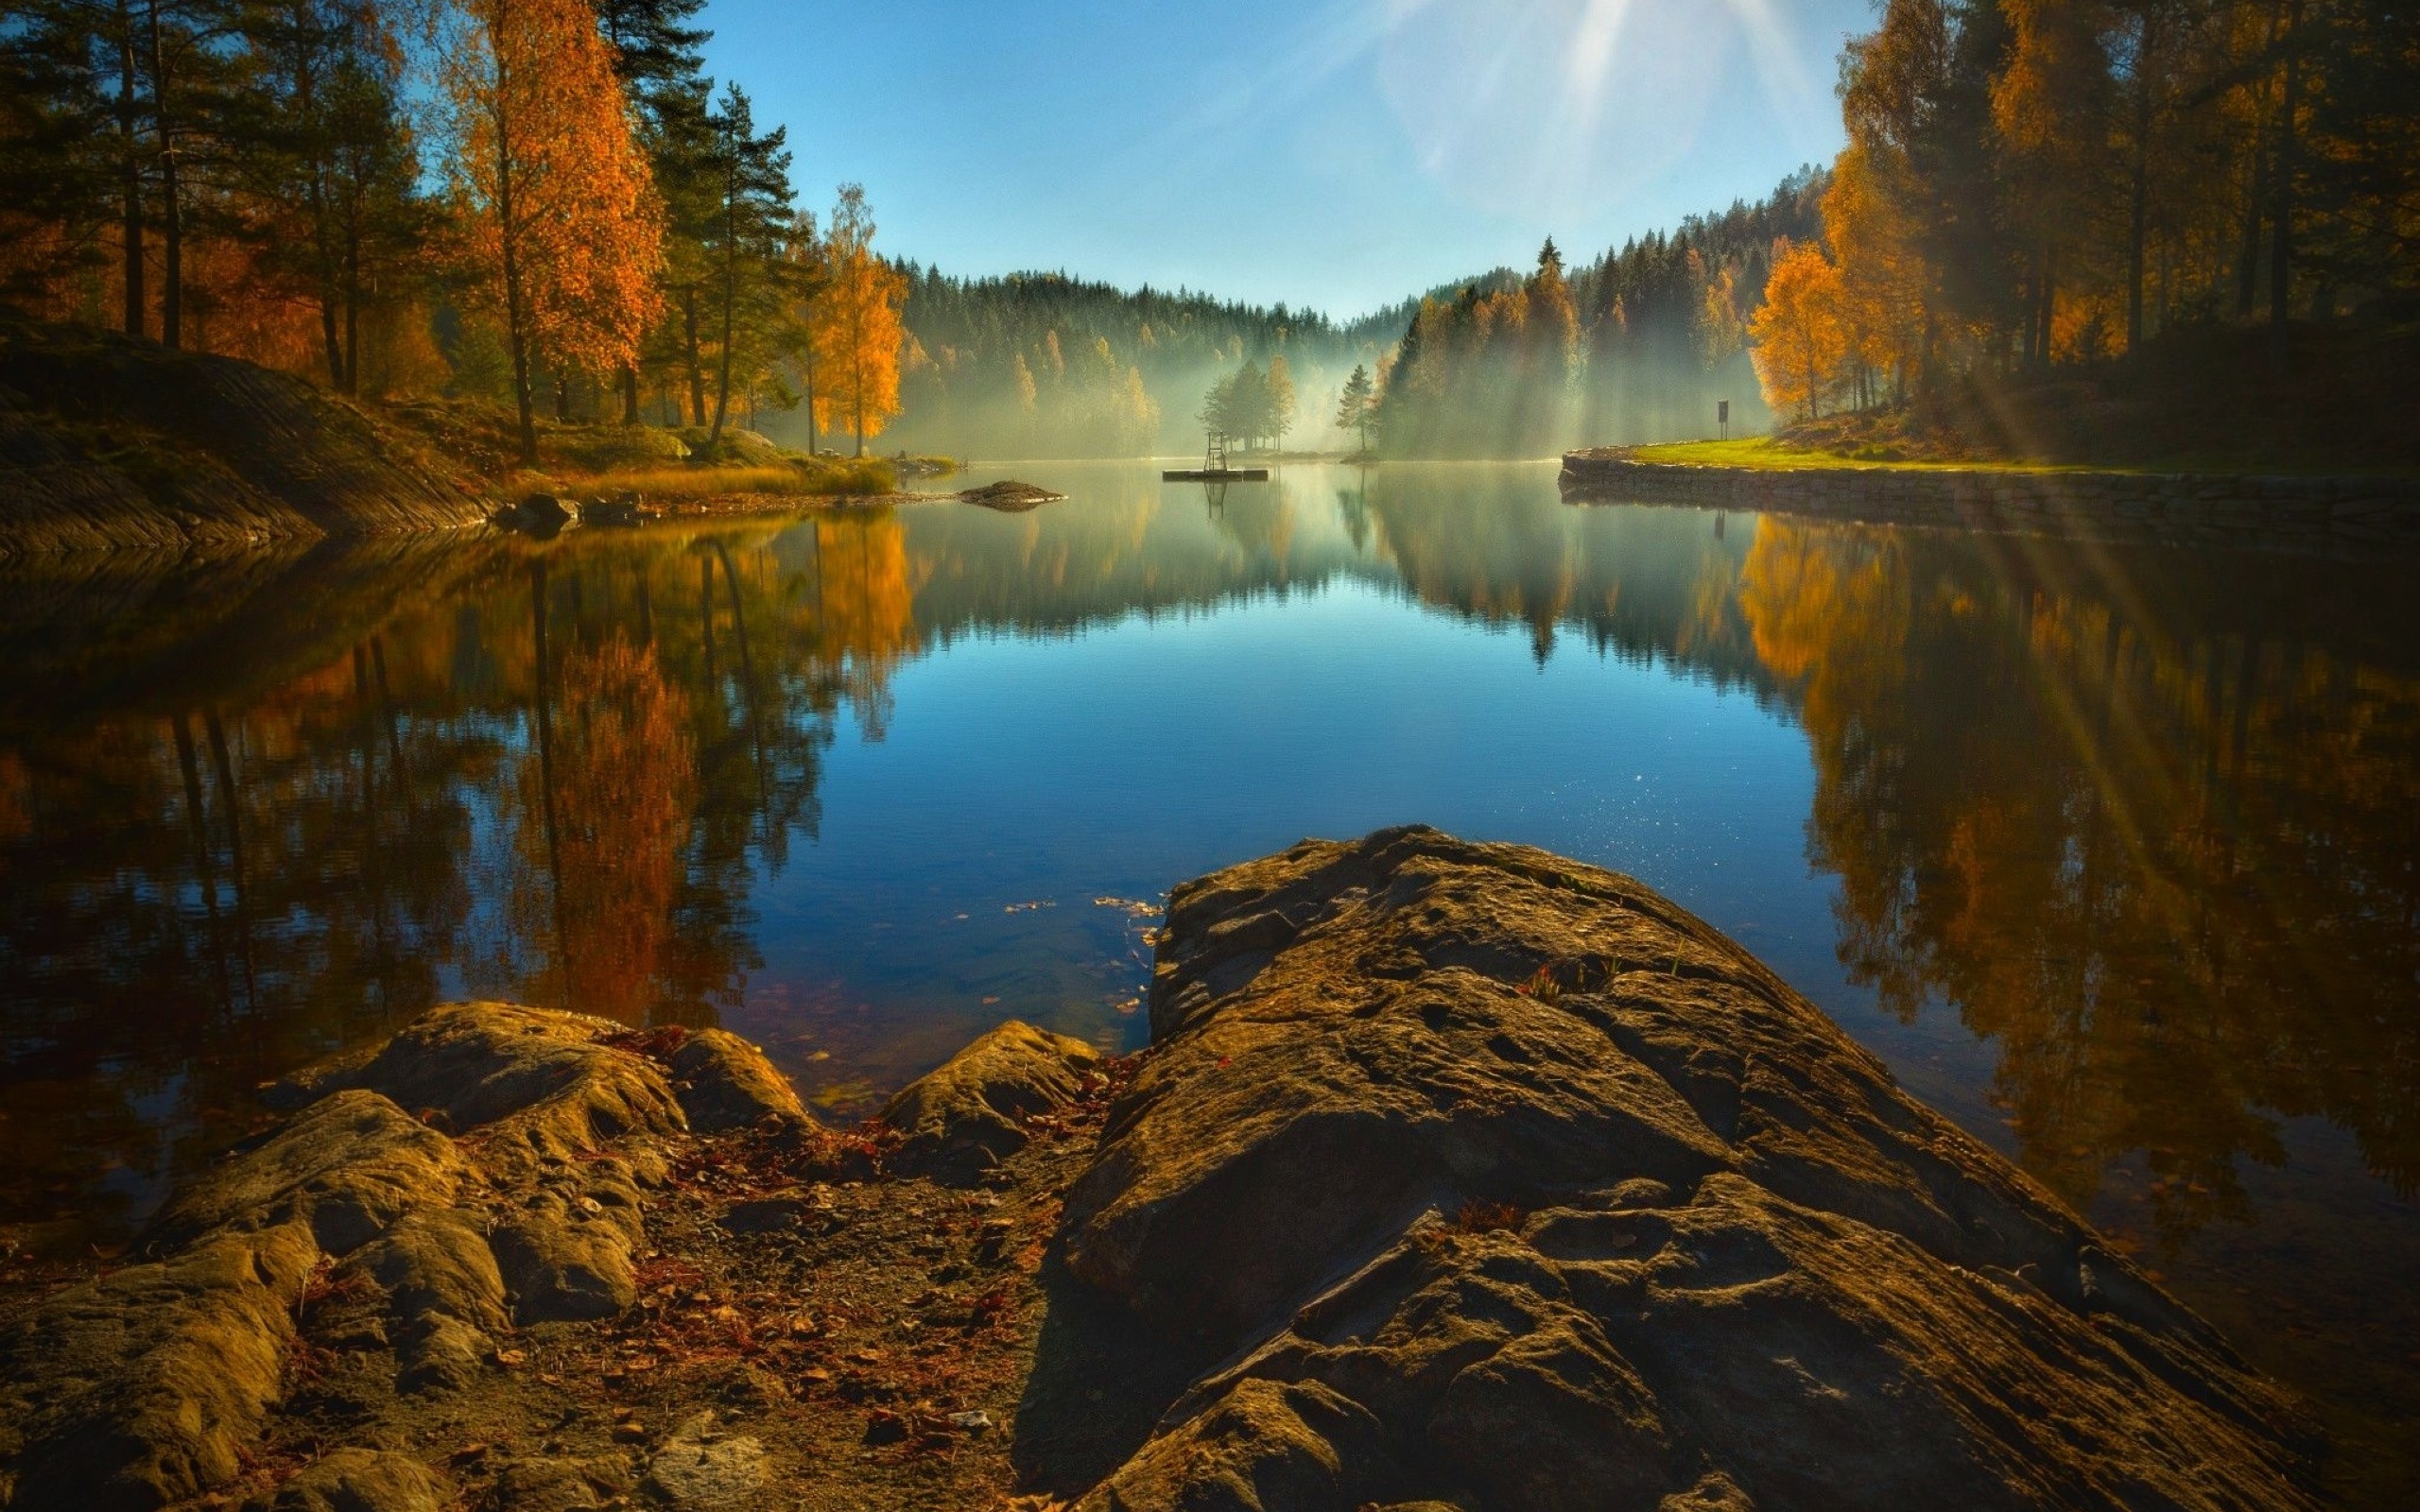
(2148, 823)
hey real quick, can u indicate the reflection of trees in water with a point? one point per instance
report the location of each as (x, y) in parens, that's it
(204, 898)
(2164, 858)
(2162, 855)
(1638, 584)
(620, 784)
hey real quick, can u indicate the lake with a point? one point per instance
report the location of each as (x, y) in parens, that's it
(2113, 856)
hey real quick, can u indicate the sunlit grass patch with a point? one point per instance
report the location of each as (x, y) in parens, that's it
(1765, 453)
(853, 477)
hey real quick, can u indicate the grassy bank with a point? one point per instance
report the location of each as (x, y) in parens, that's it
(659, 463)
(1772, 453)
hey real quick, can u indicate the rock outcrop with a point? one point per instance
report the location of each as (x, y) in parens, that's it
(108, 442)
(971, 1112)
(1458, 1178)
(1503, 1182)
(485, 1167)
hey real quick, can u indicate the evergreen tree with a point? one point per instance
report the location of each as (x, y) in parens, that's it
(1355, 407)
(660, 60)
(753, 214)
(329, 163)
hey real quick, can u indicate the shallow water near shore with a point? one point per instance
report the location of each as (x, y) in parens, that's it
(2113, 856)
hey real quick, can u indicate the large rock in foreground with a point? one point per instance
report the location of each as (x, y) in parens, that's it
(1506, 1183)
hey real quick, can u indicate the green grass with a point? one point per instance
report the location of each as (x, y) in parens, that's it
(1763, 452)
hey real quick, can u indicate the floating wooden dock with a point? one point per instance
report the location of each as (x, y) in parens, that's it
(1213, 468)
(1224, 475)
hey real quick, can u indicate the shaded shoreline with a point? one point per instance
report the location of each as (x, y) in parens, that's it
(2335, 517)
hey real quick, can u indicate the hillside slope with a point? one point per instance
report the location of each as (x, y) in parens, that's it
(108, 442)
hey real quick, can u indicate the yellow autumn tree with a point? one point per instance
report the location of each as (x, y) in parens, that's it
(856, 328)
(1800, 342)
(564, 232)
(1885, 283)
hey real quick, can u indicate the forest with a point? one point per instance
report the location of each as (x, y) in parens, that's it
(531, 201)
(2032, 184)
(2033, 191)
(551, 206)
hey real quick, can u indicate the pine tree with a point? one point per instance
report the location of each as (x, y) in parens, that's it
(754, 213)
(325, 140)
(660, 60)
(1356, 407)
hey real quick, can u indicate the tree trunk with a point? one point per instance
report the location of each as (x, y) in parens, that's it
(810, 399)
(131, 182)
(2046, 316)
(630, 394)
(352, 385)
(2281, 215)
(697, 375)
(516, 337)
(171, 215)
(2139, 218)
(730, 298)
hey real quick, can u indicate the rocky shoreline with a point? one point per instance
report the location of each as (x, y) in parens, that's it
(1456, 1176)
(2321, 516)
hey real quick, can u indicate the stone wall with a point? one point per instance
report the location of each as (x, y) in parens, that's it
(2328, 516)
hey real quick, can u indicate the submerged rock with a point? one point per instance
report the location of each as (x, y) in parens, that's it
(1508, 1183)
(971, 1110)
(622, 511)
(542, 515)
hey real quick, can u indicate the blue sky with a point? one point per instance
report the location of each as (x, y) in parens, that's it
(1335, 153)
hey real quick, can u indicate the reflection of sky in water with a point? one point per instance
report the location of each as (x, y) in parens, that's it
(2109, 843)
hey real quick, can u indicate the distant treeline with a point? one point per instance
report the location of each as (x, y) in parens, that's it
(1040, 364)
(1637, 344)
(1641, 344)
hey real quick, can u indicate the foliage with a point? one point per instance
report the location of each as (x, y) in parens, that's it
(562, 230)
(1356, 406)
(856, 331)
(1253, 404)
(1637, 345)
(1800, 340)
(753, 194)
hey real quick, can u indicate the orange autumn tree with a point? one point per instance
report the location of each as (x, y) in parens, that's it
(857, 333)
(564, 227)
(1800, 341)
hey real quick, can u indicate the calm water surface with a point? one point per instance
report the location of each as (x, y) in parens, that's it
(2113, 856)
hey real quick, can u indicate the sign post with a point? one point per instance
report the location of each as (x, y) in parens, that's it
(1722, 417)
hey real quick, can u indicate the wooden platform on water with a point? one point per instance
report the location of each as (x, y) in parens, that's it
(1236, 474)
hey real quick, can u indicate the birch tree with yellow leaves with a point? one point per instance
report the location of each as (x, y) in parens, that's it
(562, 229)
